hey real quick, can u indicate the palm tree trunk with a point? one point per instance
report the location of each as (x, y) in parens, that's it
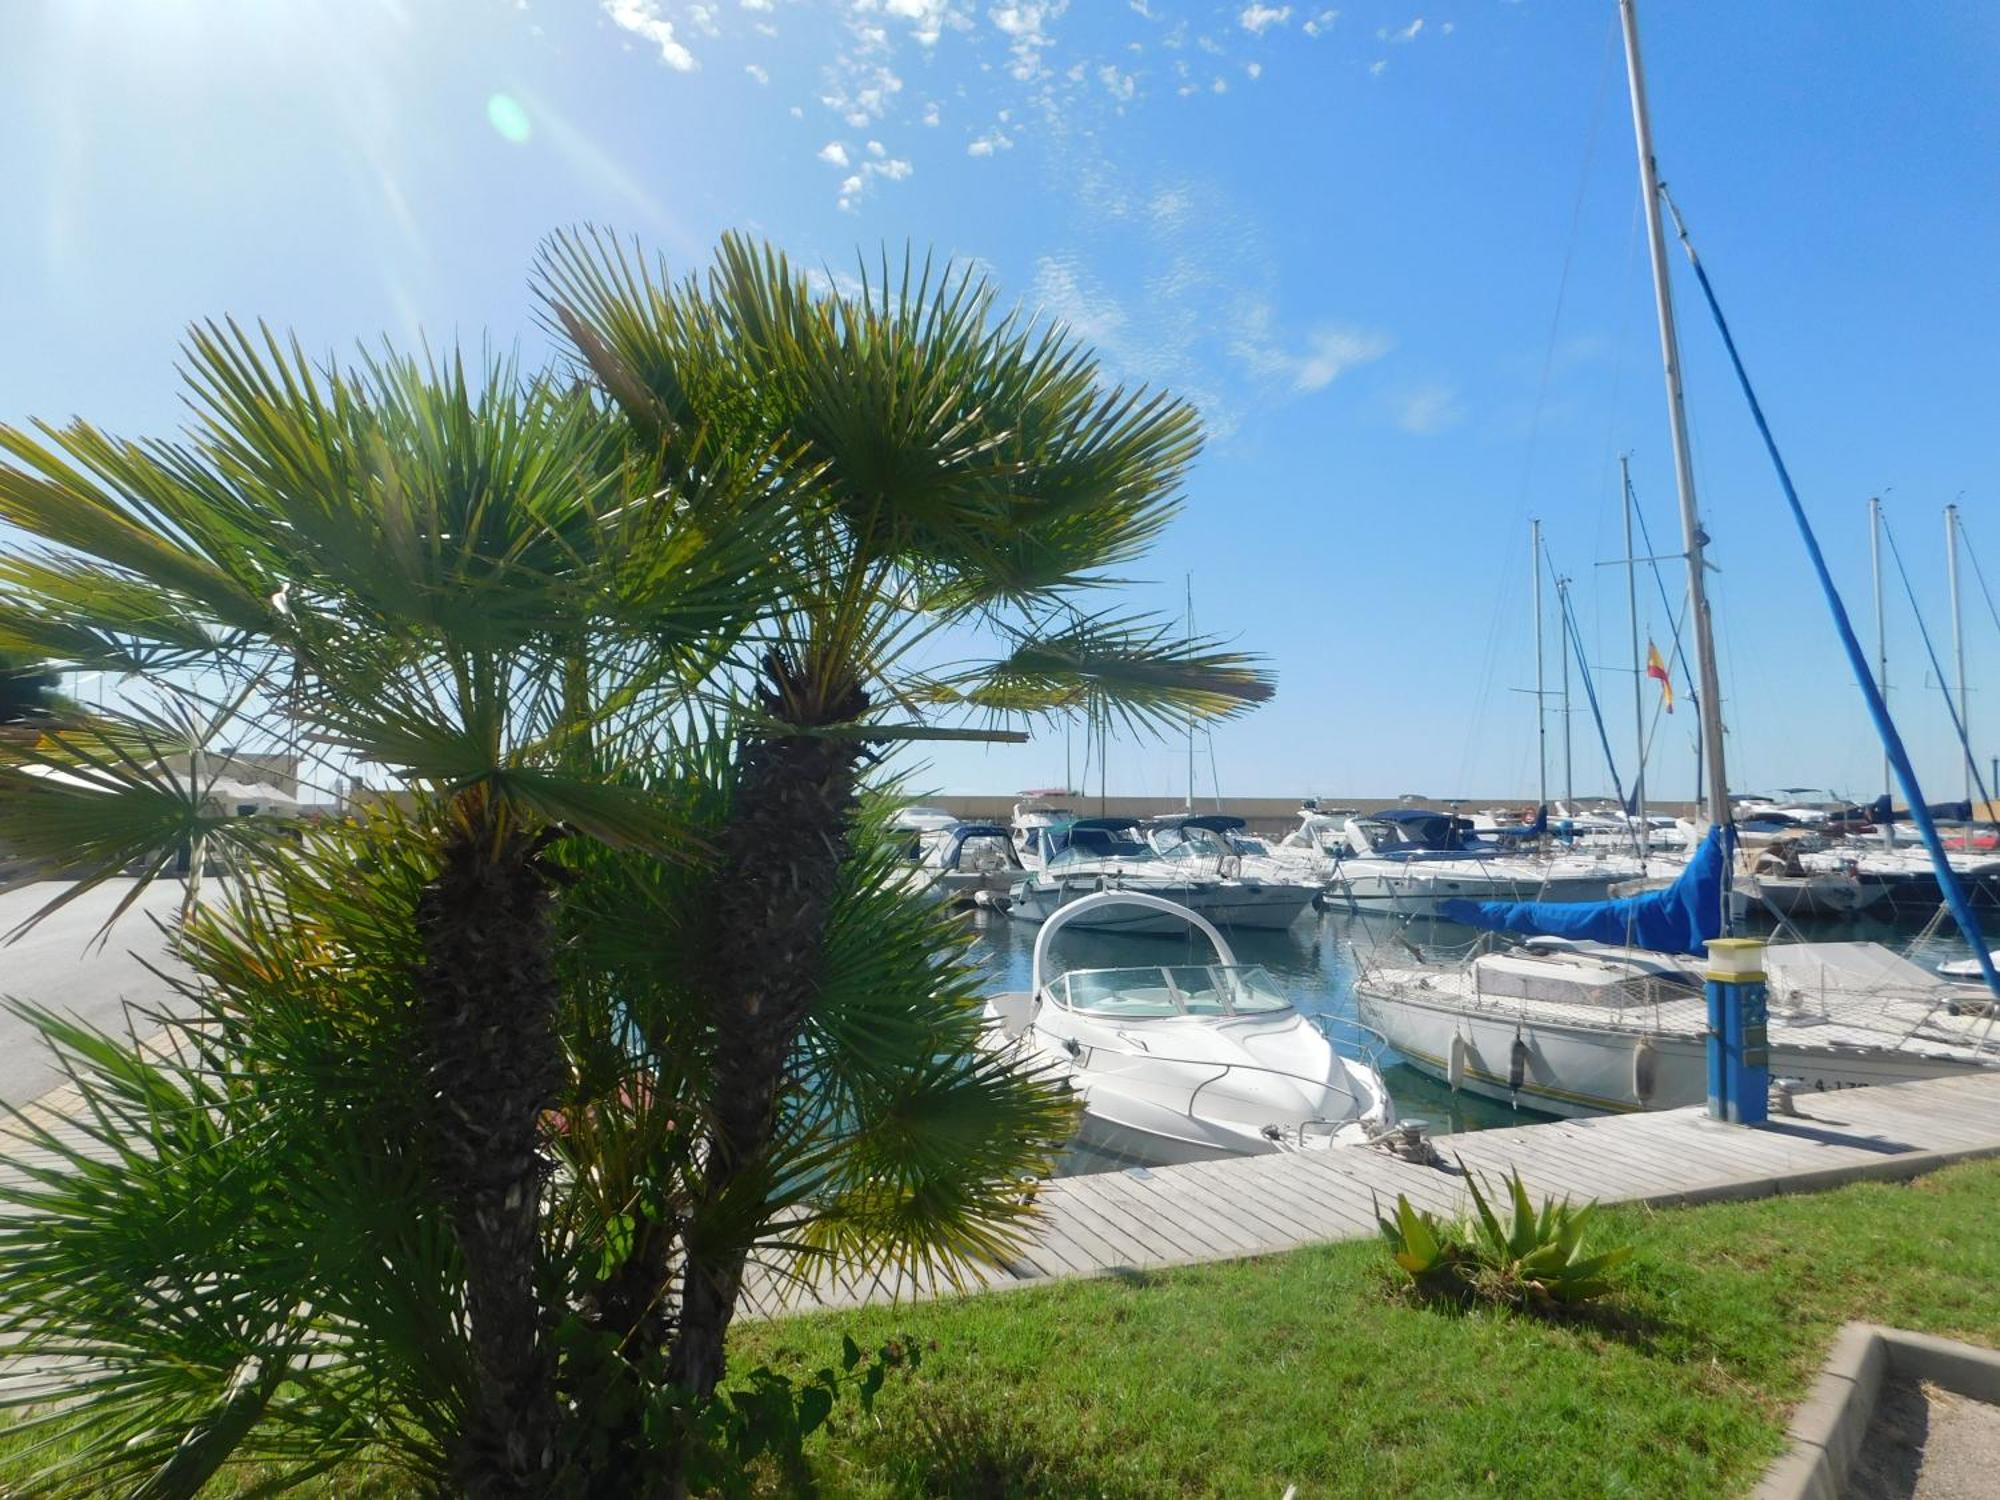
(782, 851)
(489, 994)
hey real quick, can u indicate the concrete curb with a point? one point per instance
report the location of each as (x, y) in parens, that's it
(1829, 1425)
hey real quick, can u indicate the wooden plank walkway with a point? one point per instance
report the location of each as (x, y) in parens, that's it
(1223, 1210)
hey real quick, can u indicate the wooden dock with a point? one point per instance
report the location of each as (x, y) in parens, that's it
(1224, 1210)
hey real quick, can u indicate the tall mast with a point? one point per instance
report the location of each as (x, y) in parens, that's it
(1882, 658)
(1541, 700)
(1692, 535)
(1569, 773)
(1958, 642)
(1190, 733)
(1638, 664)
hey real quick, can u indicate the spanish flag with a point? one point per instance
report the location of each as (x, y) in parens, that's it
(1658, 669)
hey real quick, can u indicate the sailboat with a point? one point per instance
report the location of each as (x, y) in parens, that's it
(1603, 1010)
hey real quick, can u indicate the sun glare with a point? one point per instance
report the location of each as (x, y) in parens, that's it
(505, 114)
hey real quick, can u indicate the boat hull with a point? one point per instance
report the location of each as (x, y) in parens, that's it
(1575, 1070)
(1419, 894)
(1257, 907)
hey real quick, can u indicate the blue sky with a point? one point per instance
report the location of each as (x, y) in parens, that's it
(1390, 249)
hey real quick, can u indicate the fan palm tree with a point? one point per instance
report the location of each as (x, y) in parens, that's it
(957, 469)
(458, 577)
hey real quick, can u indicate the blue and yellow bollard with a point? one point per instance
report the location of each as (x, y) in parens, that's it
(1739, 1043)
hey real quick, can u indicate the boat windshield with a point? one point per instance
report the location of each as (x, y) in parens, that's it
(1190, 842)
(1172, 990)
(1089, 845)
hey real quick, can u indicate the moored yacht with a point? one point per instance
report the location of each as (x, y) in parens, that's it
(1100, 854)
(1191, 1061)
(1406, 861)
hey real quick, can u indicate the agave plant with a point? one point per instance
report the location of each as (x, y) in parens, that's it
(1538, 1254)
(956, 468)
(1424, 1247)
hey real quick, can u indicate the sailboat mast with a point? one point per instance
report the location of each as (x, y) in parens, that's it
(1693, 536)
(1882, 660)
(1638, 663)
(1958, 641)
(1190, 726)
(1541, 699)
(1569, 764)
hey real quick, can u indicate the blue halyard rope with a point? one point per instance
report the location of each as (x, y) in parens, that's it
(1590, 693)
(1871, 692)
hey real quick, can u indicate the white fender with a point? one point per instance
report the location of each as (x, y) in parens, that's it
(1455, 1066)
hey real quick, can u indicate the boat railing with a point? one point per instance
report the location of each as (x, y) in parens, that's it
(1353, 1040)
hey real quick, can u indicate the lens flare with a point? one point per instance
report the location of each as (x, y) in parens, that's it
(504, 114)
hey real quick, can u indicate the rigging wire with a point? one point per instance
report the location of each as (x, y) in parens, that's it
(1924, 630)
(1978, 572)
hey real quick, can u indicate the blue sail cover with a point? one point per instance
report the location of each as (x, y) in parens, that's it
(1679, 919)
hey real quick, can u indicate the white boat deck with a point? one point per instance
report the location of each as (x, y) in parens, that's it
(1914, 1021)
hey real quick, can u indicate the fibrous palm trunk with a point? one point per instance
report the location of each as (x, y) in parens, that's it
(782, 851)
(489, 997)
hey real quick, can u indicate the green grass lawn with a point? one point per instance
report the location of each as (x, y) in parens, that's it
(1307, 1369)
(1313, 1369)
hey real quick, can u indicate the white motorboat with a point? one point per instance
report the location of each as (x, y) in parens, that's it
(1190, 1062)
(1778, 880)
(1574, 1028)
(967, 858)
(1035, 816)
(1109, 854)
(1221, 843)
(1408, 861)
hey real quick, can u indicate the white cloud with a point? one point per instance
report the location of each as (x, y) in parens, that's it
(1023, 23)
(1121, 85)
(1314, 25)
(927, 18)
(875, 148)
(755, 4)
(643, 19)
(1407, 33)
(992, 141)
(1140, 7)
(1220, 86)
(1255, 69)
(833, 153)
(1378, 67)
(931, 113)
(1257, 18)
(894, 168)
(1328, 354)
(1447, 28)
(703, 18)
(1429, 410)
(757, 72)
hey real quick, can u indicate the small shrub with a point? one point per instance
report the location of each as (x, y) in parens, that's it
(1529, 1258)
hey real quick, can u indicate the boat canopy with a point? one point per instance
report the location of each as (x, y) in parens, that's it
(1096, 838)
(1214, 822)
(994, 833)
(1679, 919)
(1421, 828)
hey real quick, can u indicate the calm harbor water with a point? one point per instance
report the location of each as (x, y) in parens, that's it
(1313, 960)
